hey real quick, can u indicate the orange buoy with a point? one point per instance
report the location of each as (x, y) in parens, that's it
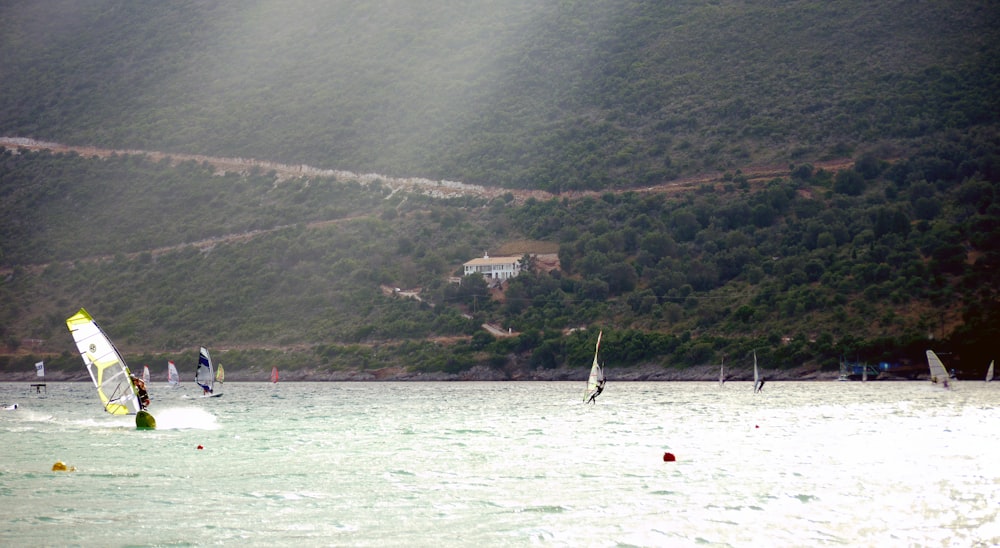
(669, 457)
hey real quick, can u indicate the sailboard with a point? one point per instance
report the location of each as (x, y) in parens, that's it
(939, 375)
(205, 374)
(989, 372)
(173, 378)
(108, 370)
(596, 380)
(274, 374)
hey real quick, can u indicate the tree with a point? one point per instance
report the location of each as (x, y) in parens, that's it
(849, 182)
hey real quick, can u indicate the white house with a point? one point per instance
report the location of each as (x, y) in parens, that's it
(494, 268)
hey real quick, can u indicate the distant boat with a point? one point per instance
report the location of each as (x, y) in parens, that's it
(989, 372)
(111, 376)
(173, 379)
(145, 374)
(722, 372)
(205, 374)
(595, 383)
(939, 375)
(274, 374)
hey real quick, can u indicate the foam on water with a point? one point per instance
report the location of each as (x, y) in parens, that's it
(176, 418)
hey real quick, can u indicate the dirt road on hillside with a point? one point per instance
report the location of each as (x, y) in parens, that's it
(438, 189)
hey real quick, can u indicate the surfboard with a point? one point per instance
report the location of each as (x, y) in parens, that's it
(145, 421)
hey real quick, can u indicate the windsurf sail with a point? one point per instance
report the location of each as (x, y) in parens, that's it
(722, 372)
(172, 376)
(220, 375)
(145, 373)
(205, 374)
(274, 374)
(756, 372)
(107, 368)
(989, 372)
(595, 383)
(40, 369)
(938, 373)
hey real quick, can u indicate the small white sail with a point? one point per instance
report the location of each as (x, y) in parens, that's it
(145, 374)
(989, 372)
(722, 372)
(756, 372)
(40, 369)
(172, 376)
(939, 375)
(595, 382)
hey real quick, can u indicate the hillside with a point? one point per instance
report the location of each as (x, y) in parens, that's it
(272, 269)
(807, 180)
(517, 94)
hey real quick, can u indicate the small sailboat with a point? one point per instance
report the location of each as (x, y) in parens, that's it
(939, 375)
(989, 372)
(205, 374)
(722, 372)
(115, 387)
(173, 378)
(220, 376)
(145, 374)
(595, 383)
(274, 374)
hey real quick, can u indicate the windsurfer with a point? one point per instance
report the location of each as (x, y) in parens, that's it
(206, 390)
(597, 392)
(140, 387)
(760, 385)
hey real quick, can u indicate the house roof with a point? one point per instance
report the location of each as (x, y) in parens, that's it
(482, 261)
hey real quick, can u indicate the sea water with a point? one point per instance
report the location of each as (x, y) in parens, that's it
(506, 464)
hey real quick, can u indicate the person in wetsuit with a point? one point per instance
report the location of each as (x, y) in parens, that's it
(140, 388)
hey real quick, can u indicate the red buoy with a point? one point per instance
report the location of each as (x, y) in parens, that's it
(669, 457)
(200, 447)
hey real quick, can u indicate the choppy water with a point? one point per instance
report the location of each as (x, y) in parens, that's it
(507, 464)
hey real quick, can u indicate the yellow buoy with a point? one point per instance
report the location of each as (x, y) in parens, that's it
(60, 466)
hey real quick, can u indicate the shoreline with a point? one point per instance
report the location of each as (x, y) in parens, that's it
(481, 373)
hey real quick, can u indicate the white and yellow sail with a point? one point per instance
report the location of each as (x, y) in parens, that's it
(107, 368)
